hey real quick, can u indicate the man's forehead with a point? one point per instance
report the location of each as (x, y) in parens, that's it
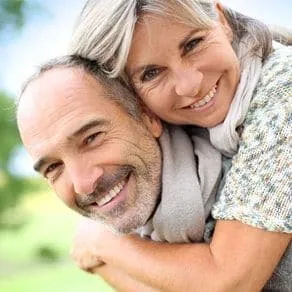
(56, 101)
(58, 87)
(61, 80)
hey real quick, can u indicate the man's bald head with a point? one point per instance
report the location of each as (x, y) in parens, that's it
(118, 91)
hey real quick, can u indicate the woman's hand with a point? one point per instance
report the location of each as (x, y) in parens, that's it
(89, 240)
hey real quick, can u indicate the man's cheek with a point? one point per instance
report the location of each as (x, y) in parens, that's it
(65, 192)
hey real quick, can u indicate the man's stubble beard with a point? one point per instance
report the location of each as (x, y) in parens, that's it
(134, 213)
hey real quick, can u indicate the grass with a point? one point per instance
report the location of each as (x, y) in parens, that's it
(58, 278)
(50, 226)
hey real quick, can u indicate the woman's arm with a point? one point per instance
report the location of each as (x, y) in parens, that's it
(240, 258)
(121, 281)
(89, 236)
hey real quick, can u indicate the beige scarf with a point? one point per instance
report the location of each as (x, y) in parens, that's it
(190, 177)
(225, 136)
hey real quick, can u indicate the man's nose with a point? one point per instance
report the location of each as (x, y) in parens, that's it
(187, 81)
(84, 177)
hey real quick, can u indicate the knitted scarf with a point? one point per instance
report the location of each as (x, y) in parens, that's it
(190, 176)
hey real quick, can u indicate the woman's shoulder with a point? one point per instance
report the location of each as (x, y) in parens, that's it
(257, 190)
(277, 70)
(274, 89)
(280, 56)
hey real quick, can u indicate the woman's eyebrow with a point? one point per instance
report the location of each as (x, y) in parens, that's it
(187, 38)
(141, 68)
(144, 67)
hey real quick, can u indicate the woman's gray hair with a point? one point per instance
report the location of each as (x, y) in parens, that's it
(105, 29)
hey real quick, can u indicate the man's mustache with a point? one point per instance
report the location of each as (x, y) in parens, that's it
(103, 186)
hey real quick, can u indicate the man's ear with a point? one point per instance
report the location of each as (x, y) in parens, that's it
(222, 19)
(152, 122)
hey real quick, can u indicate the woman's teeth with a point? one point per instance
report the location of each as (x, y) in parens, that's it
(111, 194)
(206, 99)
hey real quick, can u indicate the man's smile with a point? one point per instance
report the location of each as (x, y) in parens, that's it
(111, 194)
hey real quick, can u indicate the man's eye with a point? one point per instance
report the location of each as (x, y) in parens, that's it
(92, 138)
(150, 74)
(189, 46)
(51, 169)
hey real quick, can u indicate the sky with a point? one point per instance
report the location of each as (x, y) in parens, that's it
(47, 34)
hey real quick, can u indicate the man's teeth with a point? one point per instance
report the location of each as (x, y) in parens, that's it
(206, 99)
(111, 194)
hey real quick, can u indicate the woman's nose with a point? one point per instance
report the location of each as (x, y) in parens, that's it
(188, 82)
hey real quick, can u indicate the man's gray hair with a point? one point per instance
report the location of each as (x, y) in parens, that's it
(117, 90)
(105, 29)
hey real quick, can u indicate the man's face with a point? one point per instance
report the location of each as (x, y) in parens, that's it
(98, 160)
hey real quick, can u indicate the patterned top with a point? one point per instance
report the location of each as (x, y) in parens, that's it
(258, 188)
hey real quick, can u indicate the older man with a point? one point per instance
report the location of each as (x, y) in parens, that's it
(98, 149)
(99, 161)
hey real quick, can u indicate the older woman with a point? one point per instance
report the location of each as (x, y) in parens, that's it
(199, 63)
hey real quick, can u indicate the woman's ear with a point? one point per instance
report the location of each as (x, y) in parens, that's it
(152, 122)
(222, 19)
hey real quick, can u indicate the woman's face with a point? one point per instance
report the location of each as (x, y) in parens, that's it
(184, 75)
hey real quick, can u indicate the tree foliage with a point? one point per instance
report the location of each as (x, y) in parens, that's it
(11, 186)
(12, 13)
(12, 16)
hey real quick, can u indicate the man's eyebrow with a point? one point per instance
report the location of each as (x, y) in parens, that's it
(87, 126)
(81, 130)
(39, 164)
(186, 38)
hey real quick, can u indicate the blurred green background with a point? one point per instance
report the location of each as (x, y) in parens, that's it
(35, 228)
(34, 253)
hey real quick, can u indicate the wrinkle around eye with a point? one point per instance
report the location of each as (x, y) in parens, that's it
(156, 81)
(144, 90)
(151, 74)
(192, 45)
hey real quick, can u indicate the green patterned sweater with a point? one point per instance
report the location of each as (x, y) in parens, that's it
(258, 187)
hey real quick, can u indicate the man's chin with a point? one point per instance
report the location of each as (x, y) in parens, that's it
(127, 226)
(121, 221)
(123, 229)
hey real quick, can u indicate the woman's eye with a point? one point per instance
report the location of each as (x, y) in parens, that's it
(189, 46)
(150, 74)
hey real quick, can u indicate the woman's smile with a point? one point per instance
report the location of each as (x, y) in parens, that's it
(204, 102)
(177, 70)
